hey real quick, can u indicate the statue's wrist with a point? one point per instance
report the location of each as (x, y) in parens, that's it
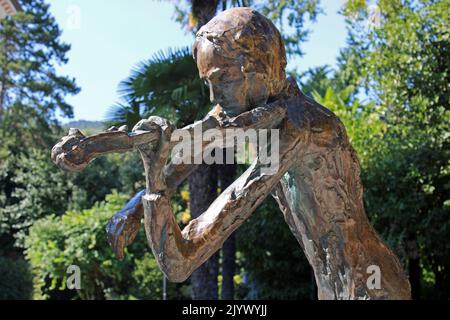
(156, 185)
(156, 188)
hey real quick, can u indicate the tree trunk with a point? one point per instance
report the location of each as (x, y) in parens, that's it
(414, 269)
(414, 277)
(203, 191)
(4, 69)
(226, 175)
(2, 98)
(204, 10)
(228, 268)
(313, 286)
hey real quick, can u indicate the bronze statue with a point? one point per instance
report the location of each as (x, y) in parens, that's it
(241, 55)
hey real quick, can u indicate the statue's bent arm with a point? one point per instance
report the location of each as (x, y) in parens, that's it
(180, 252)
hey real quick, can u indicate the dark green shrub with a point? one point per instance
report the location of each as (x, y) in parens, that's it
(79, 238)
(15, 280)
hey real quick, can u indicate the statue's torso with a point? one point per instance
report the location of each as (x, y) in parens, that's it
(321, 199)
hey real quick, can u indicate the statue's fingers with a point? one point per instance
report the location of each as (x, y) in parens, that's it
(131, 231)
(115, 230)
(121, 232)
(119, 248)
(123, 227)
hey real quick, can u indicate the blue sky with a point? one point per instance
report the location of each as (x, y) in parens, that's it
(109, 38)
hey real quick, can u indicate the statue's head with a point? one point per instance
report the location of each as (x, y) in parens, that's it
(241, 56)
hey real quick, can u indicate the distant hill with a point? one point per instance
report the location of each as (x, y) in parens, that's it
(86, 126)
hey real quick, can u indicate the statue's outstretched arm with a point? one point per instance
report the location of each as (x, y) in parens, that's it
(75, 151)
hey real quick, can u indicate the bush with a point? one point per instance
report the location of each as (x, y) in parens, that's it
(79, 238)
(15, 280)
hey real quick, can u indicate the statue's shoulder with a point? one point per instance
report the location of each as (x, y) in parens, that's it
(303, 110)
(304, 113)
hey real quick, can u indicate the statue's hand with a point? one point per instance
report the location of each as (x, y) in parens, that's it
(155, 155)
(64, 147)
(123, 227)
(75, 151)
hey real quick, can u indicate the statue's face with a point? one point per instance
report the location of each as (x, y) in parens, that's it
(232, 86)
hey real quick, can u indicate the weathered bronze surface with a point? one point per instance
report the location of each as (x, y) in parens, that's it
(241, 55)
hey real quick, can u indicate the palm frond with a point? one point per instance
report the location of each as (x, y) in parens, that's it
(123, 114)
(167, 84)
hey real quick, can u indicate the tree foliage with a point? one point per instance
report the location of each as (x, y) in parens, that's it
(31, 96)
(31, 92)
(402, 66)
(167, 85)
(290, 16)
(79, 238)
(15, 279)
(31, 187)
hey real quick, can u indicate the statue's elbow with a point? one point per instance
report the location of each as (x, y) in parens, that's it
(176, 271)
(176, 276)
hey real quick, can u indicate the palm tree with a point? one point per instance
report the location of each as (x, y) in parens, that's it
(167, 85)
